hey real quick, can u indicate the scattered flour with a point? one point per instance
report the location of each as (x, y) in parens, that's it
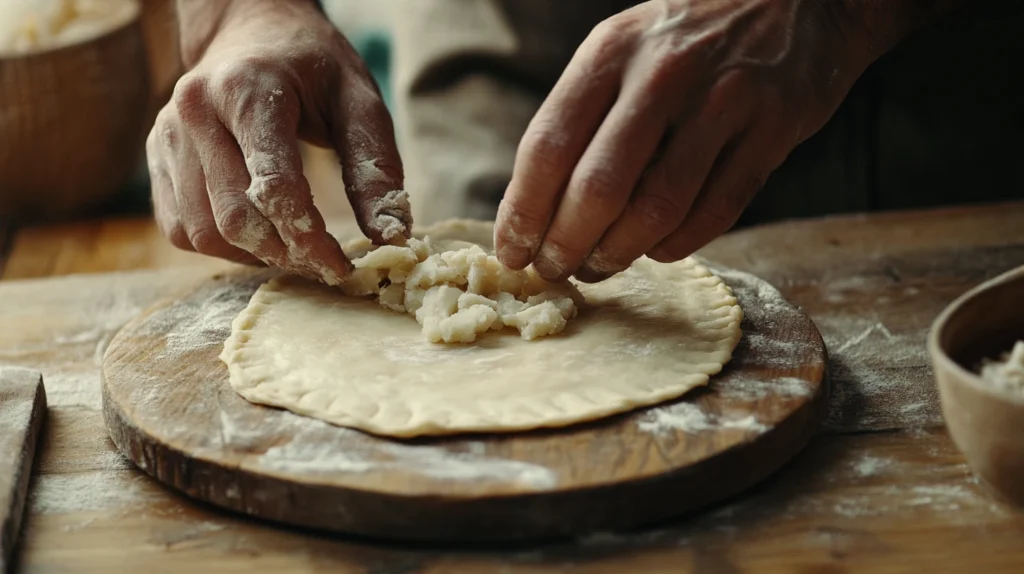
(200, 321)
(736, 386)
(689, 418)
(435, 462)
(73, 388)
(871, 465)
(881, 379)
(88, 491)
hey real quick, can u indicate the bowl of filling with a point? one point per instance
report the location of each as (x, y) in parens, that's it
(73, 103)
(977, 351)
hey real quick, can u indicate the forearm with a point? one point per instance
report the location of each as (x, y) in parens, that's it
(200, 20)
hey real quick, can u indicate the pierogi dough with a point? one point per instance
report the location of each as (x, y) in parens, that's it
(645, 336)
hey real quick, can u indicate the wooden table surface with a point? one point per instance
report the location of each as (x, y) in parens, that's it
(882, 489)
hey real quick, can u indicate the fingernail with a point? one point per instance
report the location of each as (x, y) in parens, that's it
(514, 256)
(547, 268)
(587, 274)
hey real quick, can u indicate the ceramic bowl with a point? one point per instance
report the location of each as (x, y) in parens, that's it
(72, 121)
(986, 423)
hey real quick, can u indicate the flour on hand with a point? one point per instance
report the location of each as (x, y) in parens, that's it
(456, 290)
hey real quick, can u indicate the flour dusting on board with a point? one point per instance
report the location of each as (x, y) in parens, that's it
(203, 320)
(758, 296)
(689, 418)
(314, 448)
(435, 462)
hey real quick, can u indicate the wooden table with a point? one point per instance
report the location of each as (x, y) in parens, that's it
(883, 489)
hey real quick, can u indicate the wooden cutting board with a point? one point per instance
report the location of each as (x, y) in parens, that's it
(22, 411)
(169, 408)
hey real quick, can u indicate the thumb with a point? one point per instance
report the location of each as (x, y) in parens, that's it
(364, 138)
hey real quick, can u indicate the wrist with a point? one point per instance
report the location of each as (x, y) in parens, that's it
(200, 22)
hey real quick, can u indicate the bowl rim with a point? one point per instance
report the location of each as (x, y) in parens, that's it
(939, 355)
(135, 19)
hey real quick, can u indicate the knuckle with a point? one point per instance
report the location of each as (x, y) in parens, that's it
(237, 83)
(543, 150)
(663, 71)
(599, 190)
(175, 232)
(609, 35)
(189, 98)
(206, 240)
(607, 44)
(237, 74)
(315, 59)
(164, 134)
(274, 193)
(231, 221)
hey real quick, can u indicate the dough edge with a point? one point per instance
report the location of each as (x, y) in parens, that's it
(617, 396)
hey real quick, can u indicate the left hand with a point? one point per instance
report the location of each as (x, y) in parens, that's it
(663, 127)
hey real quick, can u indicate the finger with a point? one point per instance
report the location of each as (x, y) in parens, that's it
(193, 201)
(667, 190)
(227, 177)
(364, 138)
(165, 209)
(553, 143)
(263, 114)
(601, 184)
(734, 181)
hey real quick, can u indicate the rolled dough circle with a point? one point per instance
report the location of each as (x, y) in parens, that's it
(645, 336)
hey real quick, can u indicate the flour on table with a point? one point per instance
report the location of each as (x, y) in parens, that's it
(457, 291)
(645, 336)
(1007, 372)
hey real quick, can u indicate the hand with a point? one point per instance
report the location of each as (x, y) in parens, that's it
(224, 156)
(665, 124)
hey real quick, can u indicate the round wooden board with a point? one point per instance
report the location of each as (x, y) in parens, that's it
(169, 408)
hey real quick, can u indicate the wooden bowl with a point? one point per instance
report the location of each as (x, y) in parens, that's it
(72, 122)
(986, 423)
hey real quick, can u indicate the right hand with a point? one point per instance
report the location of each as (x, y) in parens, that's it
(224, 157)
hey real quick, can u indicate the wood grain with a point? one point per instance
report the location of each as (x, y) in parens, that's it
(900, 498)
(873, 284)
(22, 411)
(74, 123)
(172, 412)
(877, 502)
